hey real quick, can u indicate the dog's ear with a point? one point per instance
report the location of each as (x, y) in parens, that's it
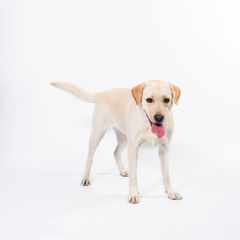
(176, 92)
(137, 92)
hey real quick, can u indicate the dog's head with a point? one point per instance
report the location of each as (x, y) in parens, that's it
(156, 98)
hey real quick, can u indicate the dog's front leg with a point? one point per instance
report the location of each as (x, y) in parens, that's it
(164, 158)
(132, 159)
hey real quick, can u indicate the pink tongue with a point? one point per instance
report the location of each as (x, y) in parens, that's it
(159, 131)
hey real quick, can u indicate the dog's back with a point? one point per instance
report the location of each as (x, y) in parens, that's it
(111, 104)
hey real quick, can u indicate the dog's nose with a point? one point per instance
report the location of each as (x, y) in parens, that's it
(159, 118)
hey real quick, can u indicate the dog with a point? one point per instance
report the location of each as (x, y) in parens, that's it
(141, 116)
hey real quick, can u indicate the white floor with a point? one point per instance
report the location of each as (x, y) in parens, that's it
(52, 204)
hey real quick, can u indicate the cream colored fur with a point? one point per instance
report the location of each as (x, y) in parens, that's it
(129, 114)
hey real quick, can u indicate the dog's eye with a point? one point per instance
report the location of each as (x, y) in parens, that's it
(149, 100)
(166, 100)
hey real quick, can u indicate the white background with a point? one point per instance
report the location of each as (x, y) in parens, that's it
(44, 132)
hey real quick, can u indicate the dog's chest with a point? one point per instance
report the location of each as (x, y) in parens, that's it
(148, 139)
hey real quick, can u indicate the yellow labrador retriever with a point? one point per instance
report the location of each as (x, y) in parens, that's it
(140, 116)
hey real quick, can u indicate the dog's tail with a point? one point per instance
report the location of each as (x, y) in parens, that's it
(76, 91)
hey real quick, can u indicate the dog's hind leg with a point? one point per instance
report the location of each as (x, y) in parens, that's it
(122, 142)
(99, 127)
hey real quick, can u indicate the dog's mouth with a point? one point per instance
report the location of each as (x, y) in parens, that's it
(156, 128)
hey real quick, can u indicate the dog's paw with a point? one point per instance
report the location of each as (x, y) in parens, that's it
(134, 199)
(174, 195)
(85, 182)
(124, 174)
